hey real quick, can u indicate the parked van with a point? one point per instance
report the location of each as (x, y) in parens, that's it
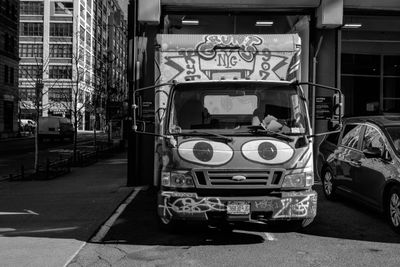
(55, 127)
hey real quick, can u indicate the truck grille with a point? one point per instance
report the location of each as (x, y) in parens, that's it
(249, 179)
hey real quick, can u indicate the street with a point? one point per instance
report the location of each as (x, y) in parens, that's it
(344, 233)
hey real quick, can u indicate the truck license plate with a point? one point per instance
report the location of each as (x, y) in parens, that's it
(238, 207)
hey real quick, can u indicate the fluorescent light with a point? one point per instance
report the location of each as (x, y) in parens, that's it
(262, 23)
(190, 22)
(352, 25)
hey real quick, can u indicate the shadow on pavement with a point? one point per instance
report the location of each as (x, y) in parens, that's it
(343, 219)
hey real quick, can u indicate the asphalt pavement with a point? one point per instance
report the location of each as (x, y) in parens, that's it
(344, 233)
(44, 223)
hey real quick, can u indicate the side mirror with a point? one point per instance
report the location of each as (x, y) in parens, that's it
(372, 152)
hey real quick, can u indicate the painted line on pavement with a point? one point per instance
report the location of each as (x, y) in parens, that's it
(74, 255)
(109, 223)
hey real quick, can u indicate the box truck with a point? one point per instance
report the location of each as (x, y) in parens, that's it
(233, 137)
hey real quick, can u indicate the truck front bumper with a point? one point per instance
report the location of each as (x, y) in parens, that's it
(189, 206)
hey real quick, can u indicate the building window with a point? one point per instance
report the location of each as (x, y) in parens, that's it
(31, 29)
(60, 94)
(6, 74)
(88, 39)
(30, 71)
(31, 8)
(8, 115)
(89, 3)
(61, 50)
(371, 84)
(30, 50)
(60, 29)
(60, 72)
(27, 94)
(88, 19)
(82, 12)
(12, 80)
(63, 8)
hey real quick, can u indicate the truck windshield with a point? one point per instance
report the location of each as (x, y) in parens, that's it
(232, 108)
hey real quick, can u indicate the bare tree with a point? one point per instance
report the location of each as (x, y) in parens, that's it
(33, 78)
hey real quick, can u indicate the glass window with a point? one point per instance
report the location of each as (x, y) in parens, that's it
(372, 138)
(214, 107)
(61, 50)
(60, 29)
(351, 135)
(394, 133)
(31, 8)
(63, 8)
(361, 64)
(31, 50)
(30, 71)
(391, 66)
(60, 94)
(31, 29)
(27, 94)
(60, 72)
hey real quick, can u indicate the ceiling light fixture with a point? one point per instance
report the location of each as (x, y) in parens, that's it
(352, 26)
(262, 23)
(190, 22)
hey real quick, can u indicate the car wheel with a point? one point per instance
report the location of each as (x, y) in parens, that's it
(393, 208)
(170, 225)
(328, 184)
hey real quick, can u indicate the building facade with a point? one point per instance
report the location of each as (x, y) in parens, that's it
(59, 52)
(9, 68)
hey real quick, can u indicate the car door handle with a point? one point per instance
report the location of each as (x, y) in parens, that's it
(355, 163)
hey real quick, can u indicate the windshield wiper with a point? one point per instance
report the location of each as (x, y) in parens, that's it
(280, 135)
(226, 138)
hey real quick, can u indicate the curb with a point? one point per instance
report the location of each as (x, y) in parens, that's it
(102, 232)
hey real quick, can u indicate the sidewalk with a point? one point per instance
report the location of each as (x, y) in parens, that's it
(43, 223)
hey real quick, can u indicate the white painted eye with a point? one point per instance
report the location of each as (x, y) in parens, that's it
(205, 152)
(267, 151)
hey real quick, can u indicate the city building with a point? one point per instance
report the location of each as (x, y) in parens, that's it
(59, 50)
(9, 10)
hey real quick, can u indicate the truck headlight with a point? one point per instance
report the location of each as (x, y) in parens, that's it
(181, 179)
(302, 179)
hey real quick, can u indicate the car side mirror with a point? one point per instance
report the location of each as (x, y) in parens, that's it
(372, 152)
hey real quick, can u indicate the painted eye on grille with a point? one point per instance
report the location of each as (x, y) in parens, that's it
(267, 151)
(205, 152)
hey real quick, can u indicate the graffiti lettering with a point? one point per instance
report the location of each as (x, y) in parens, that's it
(294, 207)
(191, 205)
(246, 44)
(227, 60)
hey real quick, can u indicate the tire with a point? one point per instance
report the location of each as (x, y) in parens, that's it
(328, 184)
(292, 225)
(392, 208)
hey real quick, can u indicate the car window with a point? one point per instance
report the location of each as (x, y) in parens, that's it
(372, 138)
(351, 135)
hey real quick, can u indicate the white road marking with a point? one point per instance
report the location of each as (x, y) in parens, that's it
(27, 212)
(270, 237)
(74, 255)
(108, 224)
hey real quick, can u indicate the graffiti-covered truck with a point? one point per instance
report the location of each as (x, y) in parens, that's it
(232, 130)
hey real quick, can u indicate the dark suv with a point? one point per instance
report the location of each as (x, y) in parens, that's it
(366, 164)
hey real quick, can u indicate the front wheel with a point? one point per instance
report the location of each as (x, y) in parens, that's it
(393, 208)
(328, 184)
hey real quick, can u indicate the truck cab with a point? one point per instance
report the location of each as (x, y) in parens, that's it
(238, 151)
